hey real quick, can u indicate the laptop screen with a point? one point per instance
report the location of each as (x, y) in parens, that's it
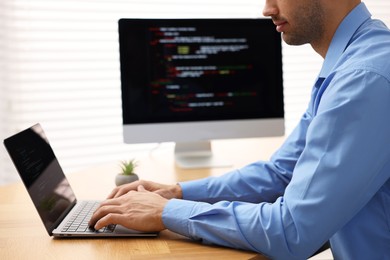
(42, 175)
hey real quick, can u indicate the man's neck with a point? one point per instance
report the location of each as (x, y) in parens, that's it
(336, 12)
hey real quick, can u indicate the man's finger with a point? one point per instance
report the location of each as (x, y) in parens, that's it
(110, 202)
(111, 218)
(122, 190)
(103, 211)
(141, 188)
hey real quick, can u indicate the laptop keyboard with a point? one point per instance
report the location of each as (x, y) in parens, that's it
(78, 222)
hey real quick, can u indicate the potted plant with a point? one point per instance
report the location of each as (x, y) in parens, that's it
(127, 173)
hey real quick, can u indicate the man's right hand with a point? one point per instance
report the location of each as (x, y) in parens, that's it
(164, 190)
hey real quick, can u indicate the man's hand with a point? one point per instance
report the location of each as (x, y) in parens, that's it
(166, 191)
(139, 210)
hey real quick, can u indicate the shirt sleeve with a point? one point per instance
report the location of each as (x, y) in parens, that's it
(339, 169)
(261, 181)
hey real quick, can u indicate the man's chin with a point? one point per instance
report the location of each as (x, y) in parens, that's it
(291, 40)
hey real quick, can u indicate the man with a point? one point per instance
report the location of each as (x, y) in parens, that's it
(330, 180)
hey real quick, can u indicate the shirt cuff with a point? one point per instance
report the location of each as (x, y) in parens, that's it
(176, 214)
(191, 190)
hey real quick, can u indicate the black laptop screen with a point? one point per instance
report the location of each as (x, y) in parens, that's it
(42, 175)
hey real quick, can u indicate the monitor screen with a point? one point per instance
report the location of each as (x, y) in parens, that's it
(191, 80)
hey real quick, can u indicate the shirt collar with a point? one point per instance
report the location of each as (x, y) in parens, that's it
(342, 37)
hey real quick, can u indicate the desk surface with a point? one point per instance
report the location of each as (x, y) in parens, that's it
(22, 234)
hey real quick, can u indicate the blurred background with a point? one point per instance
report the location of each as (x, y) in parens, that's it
(59, 66)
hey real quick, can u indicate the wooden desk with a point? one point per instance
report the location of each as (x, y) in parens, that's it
(22, 234)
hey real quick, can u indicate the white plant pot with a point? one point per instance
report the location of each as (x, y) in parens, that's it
(121, 179)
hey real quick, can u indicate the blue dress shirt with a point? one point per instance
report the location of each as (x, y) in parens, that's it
(330, 180)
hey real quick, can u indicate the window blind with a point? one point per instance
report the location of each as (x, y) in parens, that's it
(59, 65)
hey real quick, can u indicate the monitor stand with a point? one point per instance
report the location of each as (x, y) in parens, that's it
(193, 155)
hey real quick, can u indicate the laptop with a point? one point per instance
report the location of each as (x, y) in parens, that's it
(60, 211)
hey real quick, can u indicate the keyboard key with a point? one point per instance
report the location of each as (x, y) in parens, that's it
(79, 221)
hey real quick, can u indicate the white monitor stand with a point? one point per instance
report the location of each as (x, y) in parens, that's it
(193, 155)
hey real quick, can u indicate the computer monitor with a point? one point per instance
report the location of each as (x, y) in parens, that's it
(190, 81)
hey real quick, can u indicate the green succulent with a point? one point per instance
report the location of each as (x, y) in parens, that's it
(128, 167)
